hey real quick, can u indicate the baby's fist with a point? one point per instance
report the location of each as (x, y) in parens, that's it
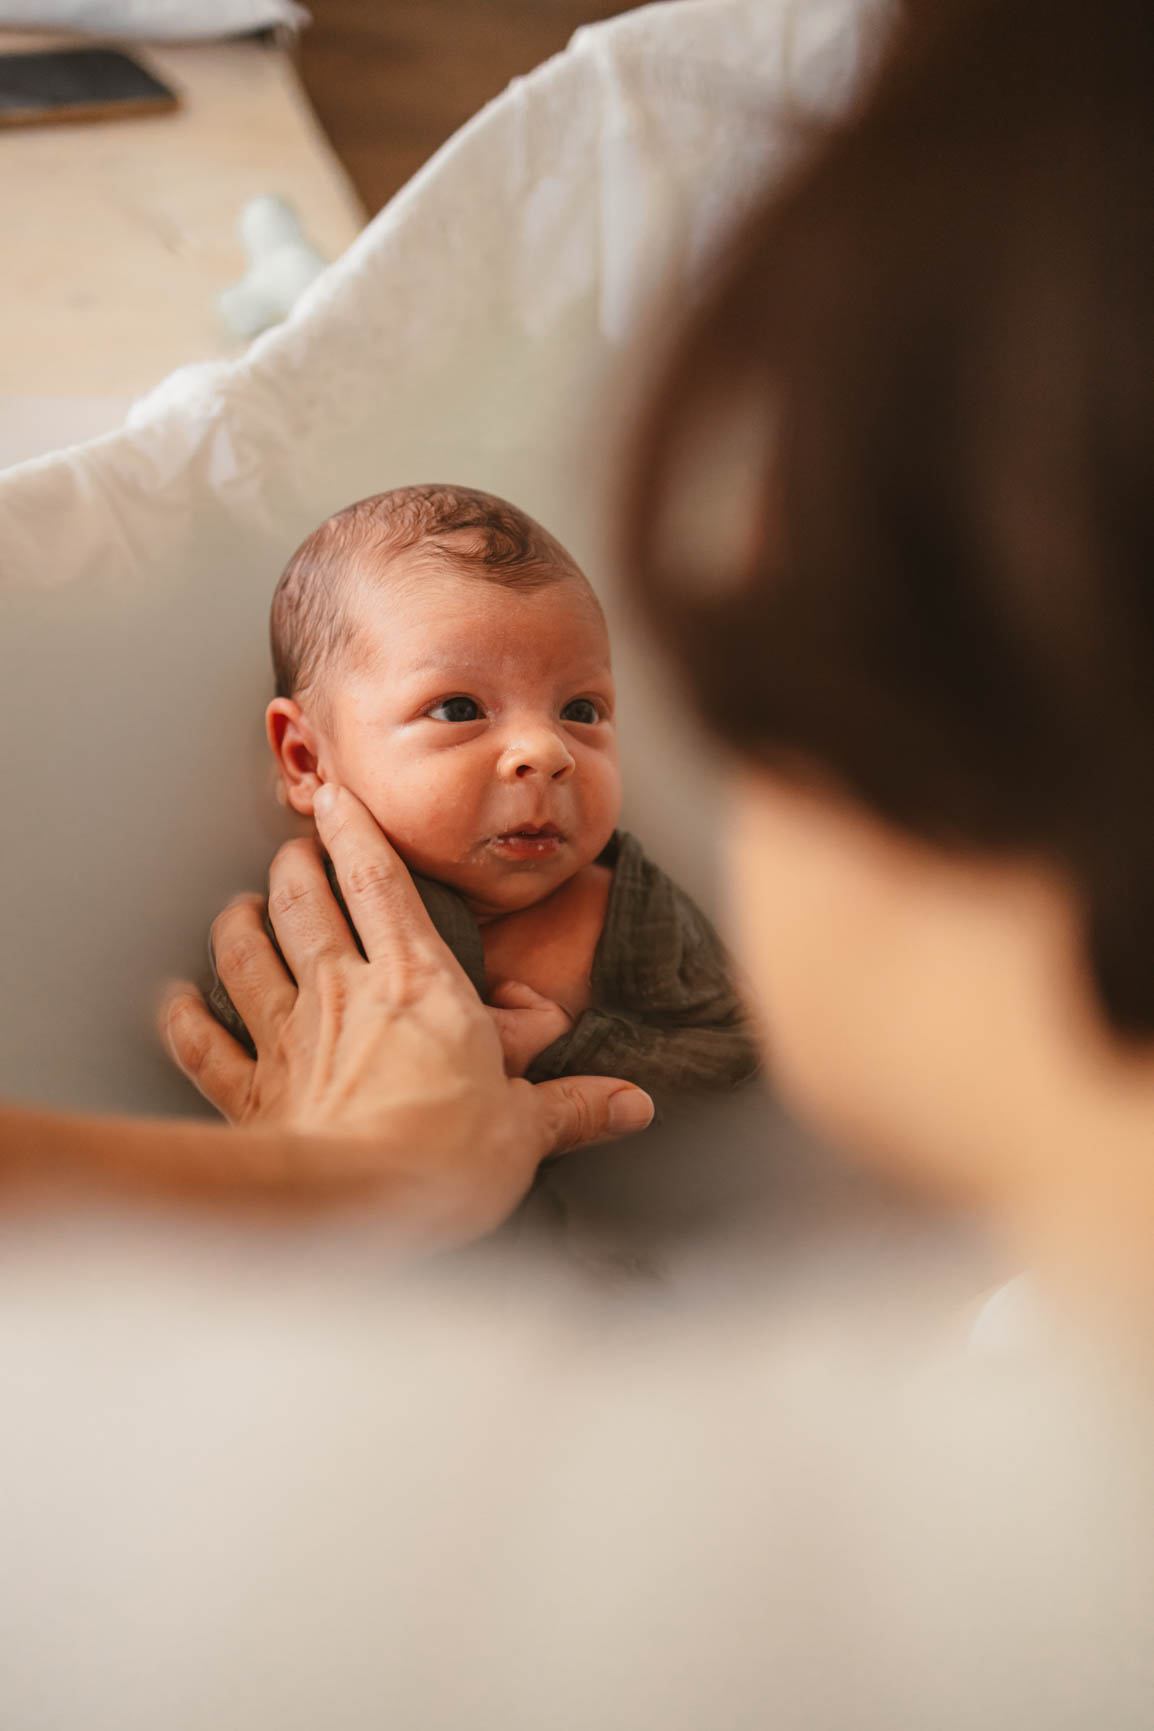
(526, 1023)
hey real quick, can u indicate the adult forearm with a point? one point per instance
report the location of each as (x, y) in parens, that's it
(50, 1154)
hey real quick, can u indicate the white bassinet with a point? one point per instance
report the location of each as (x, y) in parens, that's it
(484, 329)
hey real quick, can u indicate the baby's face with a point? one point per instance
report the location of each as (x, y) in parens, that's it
(478, 727)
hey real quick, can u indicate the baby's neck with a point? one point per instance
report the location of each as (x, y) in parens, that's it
(551, 944)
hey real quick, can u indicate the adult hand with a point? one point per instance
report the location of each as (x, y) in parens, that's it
(390, 1059)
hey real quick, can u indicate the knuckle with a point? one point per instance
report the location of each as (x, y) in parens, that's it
(285, 897)
(575, 1122)
(369, 879)
(414, 978)
(236, 954)
(586, 1125)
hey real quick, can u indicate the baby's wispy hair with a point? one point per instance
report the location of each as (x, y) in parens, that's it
(312, 622)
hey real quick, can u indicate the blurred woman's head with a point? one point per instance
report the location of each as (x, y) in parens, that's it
(930, 642)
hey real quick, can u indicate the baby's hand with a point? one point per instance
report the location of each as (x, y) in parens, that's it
(526, 1022)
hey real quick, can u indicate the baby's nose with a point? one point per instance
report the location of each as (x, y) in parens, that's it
(540, 752)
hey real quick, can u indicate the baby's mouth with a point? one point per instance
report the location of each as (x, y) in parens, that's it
(529, 841)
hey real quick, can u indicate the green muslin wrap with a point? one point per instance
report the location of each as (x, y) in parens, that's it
(666, 1012)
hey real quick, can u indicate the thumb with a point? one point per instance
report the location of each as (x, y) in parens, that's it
(576, 1110)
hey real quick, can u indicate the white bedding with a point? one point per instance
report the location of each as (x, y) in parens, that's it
(487, 328)
(36, 426)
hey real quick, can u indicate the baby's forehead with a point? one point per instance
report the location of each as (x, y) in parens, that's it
(428, 598)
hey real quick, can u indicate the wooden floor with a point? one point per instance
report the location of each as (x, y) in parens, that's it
(392, 79)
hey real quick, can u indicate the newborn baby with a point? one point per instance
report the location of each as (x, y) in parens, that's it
(440, 654)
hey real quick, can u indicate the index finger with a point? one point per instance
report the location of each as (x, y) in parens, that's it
(381, 896)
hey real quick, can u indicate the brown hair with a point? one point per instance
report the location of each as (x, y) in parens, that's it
(474, 532)
(941, 333)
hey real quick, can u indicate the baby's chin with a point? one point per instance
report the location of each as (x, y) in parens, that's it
(492, 886)
(490, 901)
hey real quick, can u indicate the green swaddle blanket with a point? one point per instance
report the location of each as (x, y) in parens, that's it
(665, 1013)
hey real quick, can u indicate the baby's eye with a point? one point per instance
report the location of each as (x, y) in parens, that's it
(582, 709)
(455, 709)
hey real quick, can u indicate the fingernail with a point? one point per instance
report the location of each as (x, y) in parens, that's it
(324, 799)
(630, 1110)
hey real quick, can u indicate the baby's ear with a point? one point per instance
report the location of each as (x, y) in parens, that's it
(293, 744)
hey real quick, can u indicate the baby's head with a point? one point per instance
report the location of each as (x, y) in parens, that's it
(439, 653)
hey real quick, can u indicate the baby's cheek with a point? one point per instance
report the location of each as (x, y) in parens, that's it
(426, 815)
(602, 801)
